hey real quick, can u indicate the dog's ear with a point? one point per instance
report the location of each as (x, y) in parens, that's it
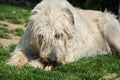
(70, 29)
(69, 15)
(34, 14)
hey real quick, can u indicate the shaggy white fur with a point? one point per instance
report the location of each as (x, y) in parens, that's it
(59, 32)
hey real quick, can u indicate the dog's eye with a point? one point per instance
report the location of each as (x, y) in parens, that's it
(57, 35)
(41, 36)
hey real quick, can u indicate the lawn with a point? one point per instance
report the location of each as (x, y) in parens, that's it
(102, 67)
(4, 31)
(16, 14)
(90, 68)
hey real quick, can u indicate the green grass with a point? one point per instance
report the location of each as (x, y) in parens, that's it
(17, 31)
(90, 68)
(12, 47)
(5, 36)
(2, 24)
(16, 14)
(4, 31)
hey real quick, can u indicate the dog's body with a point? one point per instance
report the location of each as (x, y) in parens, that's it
(59, 32)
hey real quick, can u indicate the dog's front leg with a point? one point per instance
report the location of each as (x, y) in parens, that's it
(18, 58)
(37, 63)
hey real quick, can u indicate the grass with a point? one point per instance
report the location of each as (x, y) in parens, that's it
(12, 47)
(90, 68)
(17, 31)
(2, 24)
(14, 13)
(5, 36)
(4, 31)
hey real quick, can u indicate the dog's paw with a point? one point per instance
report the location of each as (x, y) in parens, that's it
(48, 68)
(36, 64)
(17, 61)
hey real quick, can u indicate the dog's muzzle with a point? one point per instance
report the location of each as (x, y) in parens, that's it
(52, 59)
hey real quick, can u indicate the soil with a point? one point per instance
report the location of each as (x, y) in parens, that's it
(13, 39)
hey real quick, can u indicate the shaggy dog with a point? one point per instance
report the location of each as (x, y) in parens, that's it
(60, 33)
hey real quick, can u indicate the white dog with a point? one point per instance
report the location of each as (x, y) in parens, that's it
(60, 33)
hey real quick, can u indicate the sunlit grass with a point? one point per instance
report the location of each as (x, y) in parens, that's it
(17, 31)
(13, 13)
(4, 31)
(90, 68)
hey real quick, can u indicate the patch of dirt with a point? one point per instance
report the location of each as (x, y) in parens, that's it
(13, 26)
(14, 39)
(7, 42)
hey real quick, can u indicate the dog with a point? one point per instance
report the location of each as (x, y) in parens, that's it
(57, 32)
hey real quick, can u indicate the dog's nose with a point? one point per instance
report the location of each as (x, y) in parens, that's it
(52, 59)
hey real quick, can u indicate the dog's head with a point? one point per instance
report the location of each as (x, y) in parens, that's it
(53, 28)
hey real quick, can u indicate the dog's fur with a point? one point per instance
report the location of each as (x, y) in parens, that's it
(58, 31)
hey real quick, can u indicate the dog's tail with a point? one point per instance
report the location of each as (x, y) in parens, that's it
(110, 28)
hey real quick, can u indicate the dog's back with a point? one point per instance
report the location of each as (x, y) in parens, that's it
(107, 24)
